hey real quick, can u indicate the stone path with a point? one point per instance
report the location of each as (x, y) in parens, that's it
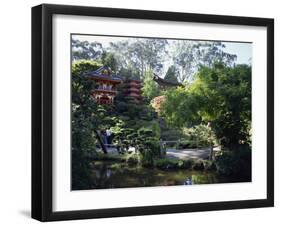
(195, 153)
(200, 153)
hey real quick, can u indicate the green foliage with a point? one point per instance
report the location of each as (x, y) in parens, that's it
(174, 164)
(144, 140)
(184, 59)
(140, 54)
(85, 120)
(148, 145)
(184, 144)
(135, 57)
(99, 156)
(199, 136)
(198, 165)
(152, 126)
(129, 73)
(228, 93)
(209, 52)
(180, 108)
(132, 158)
(188, 56)
(209, 165)
(81, 66)
(86, 50)
(123, 138)
(117, 166)
(169, 164)
(166, 164)
(169, 133)
(150, 88)
(135, 126)
(220, 95)
(109, 60)
(123, 134)
(237, 163)
(136, 111)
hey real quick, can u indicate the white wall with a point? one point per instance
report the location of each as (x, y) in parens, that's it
(15, 116)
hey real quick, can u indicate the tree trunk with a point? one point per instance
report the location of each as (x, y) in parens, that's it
(103, 147)
(211, 152)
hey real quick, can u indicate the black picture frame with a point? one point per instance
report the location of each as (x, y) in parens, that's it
(42, 111)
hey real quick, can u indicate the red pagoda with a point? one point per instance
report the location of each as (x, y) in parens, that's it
(105, 89)
(133, 89)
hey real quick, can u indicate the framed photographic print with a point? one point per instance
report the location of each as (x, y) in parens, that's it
(146, 112)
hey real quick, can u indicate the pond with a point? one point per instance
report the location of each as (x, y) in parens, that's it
(108, 174)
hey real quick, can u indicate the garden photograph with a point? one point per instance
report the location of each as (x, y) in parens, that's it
(154, 111)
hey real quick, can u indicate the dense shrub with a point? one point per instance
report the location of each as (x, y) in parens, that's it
(169, 133)
(145, 140)
(148, 145)
(220, 94)
(132, 159)
(198, 136)
(147, 158)
(209, 165)
(85, 119)
(235, 163)
(99, 156)
(123, 136)
(183, 144)
(198, 165)
(166, 164)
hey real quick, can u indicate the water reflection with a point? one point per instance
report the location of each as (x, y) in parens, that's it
(106, 174)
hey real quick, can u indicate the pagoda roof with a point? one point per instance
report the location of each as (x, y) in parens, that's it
(103, 73)
(133, 95)
(163, 82)
(133, 80)
(133, 89)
